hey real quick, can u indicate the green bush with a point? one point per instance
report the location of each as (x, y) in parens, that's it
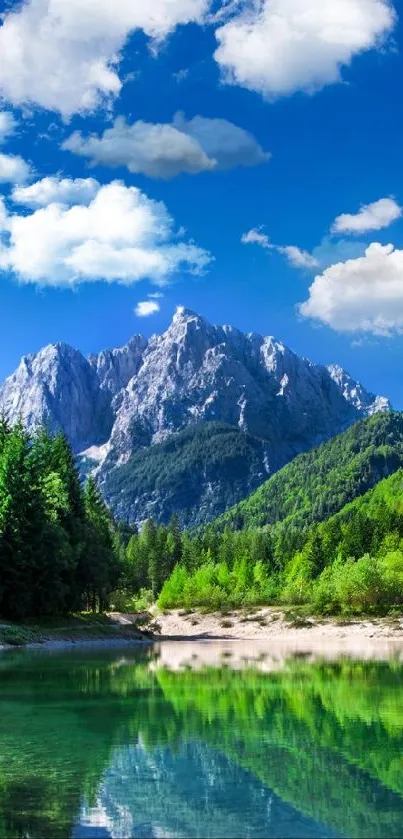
(298, 581)
(360, 585)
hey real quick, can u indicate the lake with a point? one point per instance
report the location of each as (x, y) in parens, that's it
(196, 740)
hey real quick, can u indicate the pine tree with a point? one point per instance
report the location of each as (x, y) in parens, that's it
(22, 524)
(102, 570)
(149, 541)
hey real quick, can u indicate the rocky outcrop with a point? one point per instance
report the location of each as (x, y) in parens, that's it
(59, 388)
(120, 402)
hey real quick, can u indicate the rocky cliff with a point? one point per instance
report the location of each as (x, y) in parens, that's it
(116, 405)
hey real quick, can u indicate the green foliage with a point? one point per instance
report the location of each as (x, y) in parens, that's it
(316, 485)
(176, 471)
(58, 548)
(351, 563)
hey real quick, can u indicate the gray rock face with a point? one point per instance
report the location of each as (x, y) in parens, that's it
(115, 368)
(196, 372)
(58, 387)
(128, 399)
(355, 394)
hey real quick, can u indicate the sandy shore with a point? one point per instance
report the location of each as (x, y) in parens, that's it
(268, 630)
(186, 636)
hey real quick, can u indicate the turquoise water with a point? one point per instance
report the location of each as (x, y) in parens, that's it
(128, 744)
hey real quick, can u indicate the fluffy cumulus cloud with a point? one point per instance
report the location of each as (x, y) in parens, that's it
(277, 47)
(364, 294)
(56, 190)
(3, 217)
(145, 308)
(373, 216)
(8, 125)
(13, 169)
(64, 54)
(121, 236)
(164, 150)
(222, 141)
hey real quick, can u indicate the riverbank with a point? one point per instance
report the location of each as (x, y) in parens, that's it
(94, 630)
(283, 630)
(270, 623)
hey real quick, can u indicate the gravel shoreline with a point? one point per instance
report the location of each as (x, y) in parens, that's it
(266, 628)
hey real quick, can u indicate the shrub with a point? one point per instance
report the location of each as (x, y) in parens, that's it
(360, 585)
(298, 581)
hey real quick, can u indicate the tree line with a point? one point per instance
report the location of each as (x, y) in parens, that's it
(351, 562)
(60, 550)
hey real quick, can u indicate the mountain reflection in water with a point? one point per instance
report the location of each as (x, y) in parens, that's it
(112, 744)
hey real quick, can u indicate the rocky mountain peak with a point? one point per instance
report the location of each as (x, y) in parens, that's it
(57, 387)
(115, 368)
(355, 393)
(121, 401)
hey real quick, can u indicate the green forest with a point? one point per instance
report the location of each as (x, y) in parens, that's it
(315, 534)
(352, 562)
(325, 532)
(176, 470)
(59, 548)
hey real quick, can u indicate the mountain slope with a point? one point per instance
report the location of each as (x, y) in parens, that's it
(360, 526)
(319, 483)
(200, 472)
(116, 405)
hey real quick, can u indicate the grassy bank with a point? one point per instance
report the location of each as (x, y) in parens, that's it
(73, 628)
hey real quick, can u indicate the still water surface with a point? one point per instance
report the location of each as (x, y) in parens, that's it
(120, 744)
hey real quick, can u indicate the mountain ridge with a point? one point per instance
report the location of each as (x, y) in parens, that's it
(117, 403)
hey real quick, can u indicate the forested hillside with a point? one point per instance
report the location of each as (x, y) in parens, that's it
(351, 562)
(61, 551)
(59, 548)
(281, 544)
(199, 472)
(317, 484)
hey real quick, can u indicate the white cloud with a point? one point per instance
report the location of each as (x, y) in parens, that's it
(53, 190)
(256, 237)
(3, 217)
(146, 308)
(364, 294)
(223, 141)
(13, 169)
(295, 256)
(165, 150)
(298, 257)
(121, 236)
(64, 55)
(159, 151)
(7, 125)
(373, 216)
(156, 295)
(277, 47)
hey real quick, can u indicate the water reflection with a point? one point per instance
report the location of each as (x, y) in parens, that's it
(199, 741)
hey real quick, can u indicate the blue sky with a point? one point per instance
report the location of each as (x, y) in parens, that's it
(318, 89)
